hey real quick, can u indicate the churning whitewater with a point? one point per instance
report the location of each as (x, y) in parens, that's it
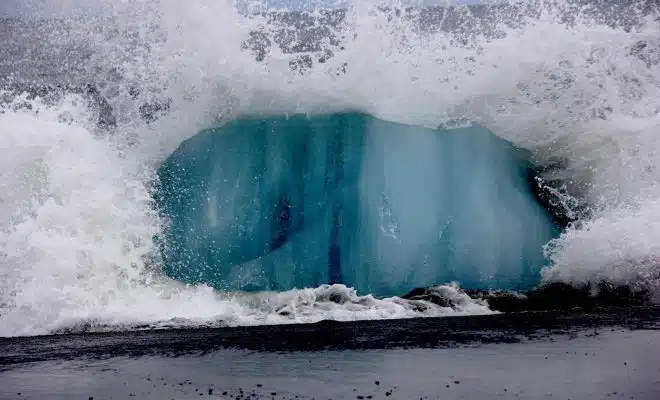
(169, 164)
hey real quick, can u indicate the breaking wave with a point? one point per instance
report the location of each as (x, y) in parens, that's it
(574, 85)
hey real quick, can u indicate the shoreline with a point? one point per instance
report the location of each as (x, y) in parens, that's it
(578, 354)
(328, 335)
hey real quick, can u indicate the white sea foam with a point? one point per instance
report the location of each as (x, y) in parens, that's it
(77, 221)
(77, 244)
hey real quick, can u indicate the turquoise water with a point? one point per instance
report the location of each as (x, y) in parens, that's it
(291, 202)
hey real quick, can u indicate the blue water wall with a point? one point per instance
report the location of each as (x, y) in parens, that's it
(278, 203)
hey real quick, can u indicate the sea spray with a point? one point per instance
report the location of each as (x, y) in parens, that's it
(79, 244)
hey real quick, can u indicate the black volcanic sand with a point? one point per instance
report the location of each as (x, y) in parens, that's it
(576, 354)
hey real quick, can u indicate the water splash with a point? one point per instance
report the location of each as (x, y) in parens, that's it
(78, 223)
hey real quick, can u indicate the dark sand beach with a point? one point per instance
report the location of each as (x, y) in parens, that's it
(576, 354)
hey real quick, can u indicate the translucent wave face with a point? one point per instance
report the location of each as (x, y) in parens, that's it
(581, 93)
(276, 203)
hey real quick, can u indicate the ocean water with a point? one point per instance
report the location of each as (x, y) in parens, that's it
(211, 164)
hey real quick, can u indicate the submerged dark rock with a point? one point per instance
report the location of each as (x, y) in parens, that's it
(552, 296)
(429, 295)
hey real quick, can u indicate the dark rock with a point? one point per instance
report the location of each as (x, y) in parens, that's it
(562, 296)
(284, 311)
(430, 295)
(337, 298)
(552, 296)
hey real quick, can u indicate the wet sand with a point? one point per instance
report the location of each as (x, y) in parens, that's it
(567, 355)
